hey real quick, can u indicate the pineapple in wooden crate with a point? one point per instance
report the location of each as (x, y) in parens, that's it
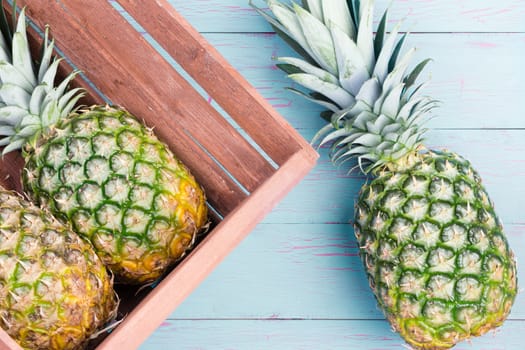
(55, 293)
(244, 176)
(96, 168)
(433, 248)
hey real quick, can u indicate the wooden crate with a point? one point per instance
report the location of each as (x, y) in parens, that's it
(246, 156)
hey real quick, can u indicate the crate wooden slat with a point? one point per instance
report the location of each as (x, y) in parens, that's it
(118, 60)
(242, 183)
(212, 72)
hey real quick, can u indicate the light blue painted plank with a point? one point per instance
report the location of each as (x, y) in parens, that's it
(419, 15)
(327, 194)
(306, 335)
(478, 78)
(304, 271)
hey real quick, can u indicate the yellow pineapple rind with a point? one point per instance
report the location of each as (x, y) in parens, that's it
(55, 293)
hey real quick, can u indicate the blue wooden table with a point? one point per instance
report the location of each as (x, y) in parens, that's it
(297, 282)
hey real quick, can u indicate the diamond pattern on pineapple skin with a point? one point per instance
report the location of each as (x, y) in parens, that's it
(442, 212)
(393, 201)
(409, 307)
(413, 257)
(441, 259)
(123, 180)
(454, 236)
(117, 189)
(426, 234)
(466, 213)
(44, 279)
(122, 163)
(452, 262)
(97, 169)
(441, 188)
(386, 251)
(416, 208)
(72, 173)
(469, 289)
(55, 155)
(109, 216)
(48, 179)
(416, 185)
(104, 144)
(401, 229)
(437, 313)
(412, 282)
(469, 262)
(78, 149)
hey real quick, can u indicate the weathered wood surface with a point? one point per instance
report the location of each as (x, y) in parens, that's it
(305, 334)
(478, 77)
(296, 282)
(420, 15)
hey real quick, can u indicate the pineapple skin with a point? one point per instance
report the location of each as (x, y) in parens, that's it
(54, 290)
(121, 188)
(435, 253)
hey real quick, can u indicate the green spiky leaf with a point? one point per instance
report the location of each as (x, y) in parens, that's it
(352, 66)
(30, 103)
(318, 38)
(21, 56)
(5, 41)
(382, 67)
(397, 50)
(365, 40)
(333, 92)
(362, 80)
(305, 67)
(412, 77)
(284, 34)
(336, 12)
(330, 106)
(315, 7)
(380, 35)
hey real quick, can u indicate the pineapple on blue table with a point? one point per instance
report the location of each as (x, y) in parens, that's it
(434, 250)
(97, 168)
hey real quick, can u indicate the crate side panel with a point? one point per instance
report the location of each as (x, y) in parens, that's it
(122, 64)
(175, 287)
(7, 343)
(205, 64)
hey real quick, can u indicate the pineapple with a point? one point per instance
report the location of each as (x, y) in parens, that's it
(55, 293)
(97, 168)
(434, 250)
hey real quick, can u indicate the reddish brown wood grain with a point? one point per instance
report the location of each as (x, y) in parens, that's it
(10, 167)
(204, 63)
(119, 61)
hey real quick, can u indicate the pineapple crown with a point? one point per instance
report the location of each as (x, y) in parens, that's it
(30, 103)
(371, 98)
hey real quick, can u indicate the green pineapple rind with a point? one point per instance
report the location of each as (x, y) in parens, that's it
(121, 188)
(435, 252)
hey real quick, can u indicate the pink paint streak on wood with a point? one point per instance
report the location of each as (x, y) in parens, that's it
(483, 44)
